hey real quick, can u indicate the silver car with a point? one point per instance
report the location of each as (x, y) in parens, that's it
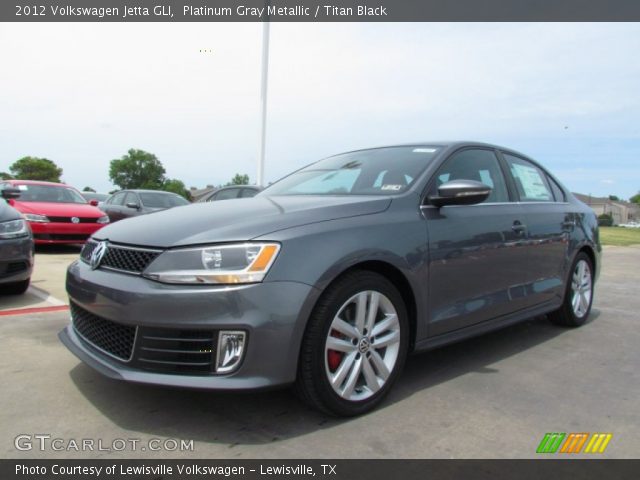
(328, 278)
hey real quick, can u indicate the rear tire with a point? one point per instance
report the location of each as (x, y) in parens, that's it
(17, 288)
(578, 296)
(354, 346)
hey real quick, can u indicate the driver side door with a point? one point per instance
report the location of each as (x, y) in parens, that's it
(477, 253)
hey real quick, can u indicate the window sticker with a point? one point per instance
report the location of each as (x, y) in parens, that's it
(424, 150)
(23, 187)
(532, 183)
(390, 186)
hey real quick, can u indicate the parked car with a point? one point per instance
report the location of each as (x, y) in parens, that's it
(16, 247)
(94, 198)
(234, 191)
(131, 203)
(56, 212)
(328, 278)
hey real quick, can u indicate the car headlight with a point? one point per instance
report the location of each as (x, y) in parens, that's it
(104, 219)
(221, 264)
(13, 229)
(32, 217)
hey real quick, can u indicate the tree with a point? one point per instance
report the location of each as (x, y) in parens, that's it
(239, 180)
(5, 176)
(34, 168)
(88, 189)
(614, 198)
(137, 169)
(176, 186)
(635, 198)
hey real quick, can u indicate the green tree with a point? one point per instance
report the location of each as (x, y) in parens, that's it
(635, 198)
(176, 186)
(614, 198)
(239, 180)
(88, 189)
(34, 168)
(137, 169)
(5, 176)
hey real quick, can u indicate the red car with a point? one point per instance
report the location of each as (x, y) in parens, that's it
(56, 212)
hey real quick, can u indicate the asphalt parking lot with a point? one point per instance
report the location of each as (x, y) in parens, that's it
(494, 396)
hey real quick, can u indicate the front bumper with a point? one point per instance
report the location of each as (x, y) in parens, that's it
(63, 233)
(272, 313)
(16, 259)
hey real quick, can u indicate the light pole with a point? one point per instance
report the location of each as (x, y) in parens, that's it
(263, 96)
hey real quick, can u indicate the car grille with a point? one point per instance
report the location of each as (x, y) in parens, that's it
(162, 350)
(68, 220)
(122, 258)
(170, 350)
(81, 237)
(113, 338)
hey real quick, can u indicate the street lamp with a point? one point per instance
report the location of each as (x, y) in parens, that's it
(263, 96)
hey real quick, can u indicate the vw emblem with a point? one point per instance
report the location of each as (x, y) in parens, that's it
(75, 220)
(364, 345)
(97, 254)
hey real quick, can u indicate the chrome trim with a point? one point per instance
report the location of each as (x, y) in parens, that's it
(499, 203)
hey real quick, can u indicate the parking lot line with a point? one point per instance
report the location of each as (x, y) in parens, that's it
(24, 311)
(46, 296)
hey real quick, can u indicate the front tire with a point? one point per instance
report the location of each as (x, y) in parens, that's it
(354, 346)
(578, 296)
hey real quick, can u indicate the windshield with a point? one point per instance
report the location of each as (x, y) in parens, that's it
(161, 200)
(49, 194)
(379, 171)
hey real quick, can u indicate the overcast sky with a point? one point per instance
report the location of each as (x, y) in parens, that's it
(83, 94)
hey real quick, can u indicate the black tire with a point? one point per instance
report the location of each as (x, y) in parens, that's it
(312, 384)
(566, 315)
(17, 288)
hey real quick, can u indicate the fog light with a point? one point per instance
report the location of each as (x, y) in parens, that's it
(230, 350)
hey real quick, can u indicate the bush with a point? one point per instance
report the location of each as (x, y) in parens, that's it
(605, 220)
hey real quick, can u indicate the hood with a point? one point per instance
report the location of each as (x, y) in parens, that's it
(83, 210)
(7, 212)
(235, 220)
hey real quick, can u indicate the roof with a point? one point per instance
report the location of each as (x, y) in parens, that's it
(36, 182)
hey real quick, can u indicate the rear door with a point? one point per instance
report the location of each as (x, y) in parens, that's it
(478, 254)
(113, 207)
(549, 223)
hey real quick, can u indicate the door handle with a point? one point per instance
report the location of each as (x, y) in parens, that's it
(518, 227)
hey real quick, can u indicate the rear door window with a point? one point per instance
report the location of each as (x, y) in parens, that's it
(531, 182)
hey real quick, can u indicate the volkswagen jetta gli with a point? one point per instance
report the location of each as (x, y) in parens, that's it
(330, 277)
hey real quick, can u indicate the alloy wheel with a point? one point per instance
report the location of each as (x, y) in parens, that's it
(581, 288)
(362, 345)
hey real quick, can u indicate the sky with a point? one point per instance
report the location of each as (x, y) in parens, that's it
(566, 94)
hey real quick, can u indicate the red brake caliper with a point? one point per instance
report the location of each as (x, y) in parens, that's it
(334, 358)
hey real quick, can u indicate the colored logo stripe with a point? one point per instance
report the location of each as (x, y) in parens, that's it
(598, 443)
(574, 443)
(550, 443)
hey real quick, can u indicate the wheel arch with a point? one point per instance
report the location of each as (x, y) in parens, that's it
(399, 280)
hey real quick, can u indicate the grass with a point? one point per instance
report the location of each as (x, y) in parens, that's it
(619, 236)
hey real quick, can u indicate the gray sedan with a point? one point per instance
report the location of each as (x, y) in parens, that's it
(329, 278)
(16, 247)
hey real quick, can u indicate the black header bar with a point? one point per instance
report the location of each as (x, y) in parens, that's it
(320, 11)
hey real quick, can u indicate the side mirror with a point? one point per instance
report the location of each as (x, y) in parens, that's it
(11, 192)
(133, 205)
(460, 192)
(93, 202)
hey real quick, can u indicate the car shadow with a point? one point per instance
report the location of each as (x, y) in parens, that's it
(264, 417)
